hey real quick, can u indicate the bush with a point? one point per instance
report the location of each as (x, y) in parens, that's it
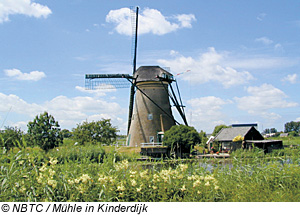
(180, 139)
(45, 132)
(93, 132)
(11, 137)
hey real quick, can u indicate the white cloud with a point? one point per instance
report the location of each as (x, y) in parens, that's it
(24, 7)
(32, 76)
(207, 67)
(97, 92)
(264, 40)
(150, 21)
(261, 16)
(206, 112)
(67, 111)
(291, 78)
(262, 100)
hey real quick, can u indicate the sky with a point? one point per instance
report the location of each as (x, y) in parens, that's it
(238, 61)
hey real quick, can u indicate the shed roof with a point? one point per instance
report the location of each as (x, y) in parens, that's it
(227, 134)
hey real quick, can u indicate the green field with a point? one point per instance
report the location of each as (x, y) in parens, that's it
(97, 173)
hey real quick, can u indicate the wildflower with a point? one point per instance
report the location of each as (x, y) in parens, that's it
(21, 162)
(77, 181)
(183, 167)
(154, 187)
(51, 173)
(198, 192)
(133, 183)
(22, 189)
(216, 187)
(207, 183)
(52, 183)
(43, 168)
(144, 174)
(138, 189)
(196, 183)
(183, 188)
(209, 178)
(85, 178)
(71, 182)
(121, 187)
(53, 161)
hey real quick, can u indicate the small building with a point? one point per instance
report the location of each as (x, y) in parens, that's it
(284, 134)
(266, 145)
(225, 137)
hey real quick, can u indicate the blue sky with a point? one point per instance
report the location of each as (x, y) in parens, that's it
(243, 57)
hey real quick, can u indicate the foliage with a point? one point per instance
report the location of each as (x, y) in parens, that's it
(12, 137)
(45, 132)
(203, 138)
(181, 138)
(218, 129)
(33, 175)
(94, 132)
(292, 126)
(270, 130)
(66, 133)
(238, 138)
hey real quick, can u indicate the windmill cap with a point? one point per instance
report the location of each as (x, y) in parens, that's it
(152, 73)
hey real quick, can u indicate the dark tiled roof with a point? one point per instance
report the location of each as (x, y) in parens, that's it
(227, 134)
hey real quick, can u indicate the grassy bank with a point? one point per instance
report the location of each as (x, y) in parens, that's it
(95, 173)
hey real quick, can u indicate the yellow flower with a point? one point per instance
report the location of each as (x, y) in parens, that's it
(196, 183)
(53, 161)
(85, 178)
(138, 189)
(22, 189)
(76, 181)
(43, 168)
(207, 183)
(183, 188)
(121, 188)
(183, 167)
(52, 183)
(198, 192)
(51, 173)
(154, 187)
(216, 187)
(133, 183)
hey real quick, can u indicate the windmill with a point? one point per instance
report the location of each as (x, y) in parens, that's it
(150, 113)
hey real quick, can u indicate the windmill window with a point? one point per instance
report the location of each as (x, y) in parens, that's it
(150, 116)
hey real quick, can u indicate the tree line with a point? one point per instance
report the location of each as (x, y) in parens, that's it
(44, 131)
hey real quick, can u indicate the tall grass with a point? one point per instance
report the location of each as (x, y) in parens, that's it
(94, 173)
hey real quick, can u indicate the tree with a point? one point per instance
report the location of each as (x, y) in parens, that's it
(94, 132)
(11, 137)
(218, 128)
(180, 139)
(292, 126)
(45, 132)
(203, 138)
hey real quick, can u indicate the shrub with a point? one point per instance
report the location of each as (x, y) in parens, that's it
(45, 132)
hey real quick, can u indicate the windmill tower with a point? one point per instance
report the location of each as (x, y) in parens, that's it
(150, 113)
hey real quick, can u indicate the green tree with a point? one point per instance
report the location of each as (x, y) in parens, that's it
(45, 132)
(203, 138)
(292, 126)
(95, 132)
(180, 139)
(218, 128)
(11, 137)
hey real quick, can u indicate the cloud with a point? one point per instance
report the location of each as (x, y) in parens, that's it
(97, 92)
(291, 78)
(262, 100)
(264, 40)
(206, 111)
(32, 76)
(207, 67)
(24, 7)
(67, 111)
(261, 16)
(150, 21)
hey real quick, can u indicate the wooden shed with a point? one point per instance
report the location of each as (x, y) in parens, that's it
(225, 137)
